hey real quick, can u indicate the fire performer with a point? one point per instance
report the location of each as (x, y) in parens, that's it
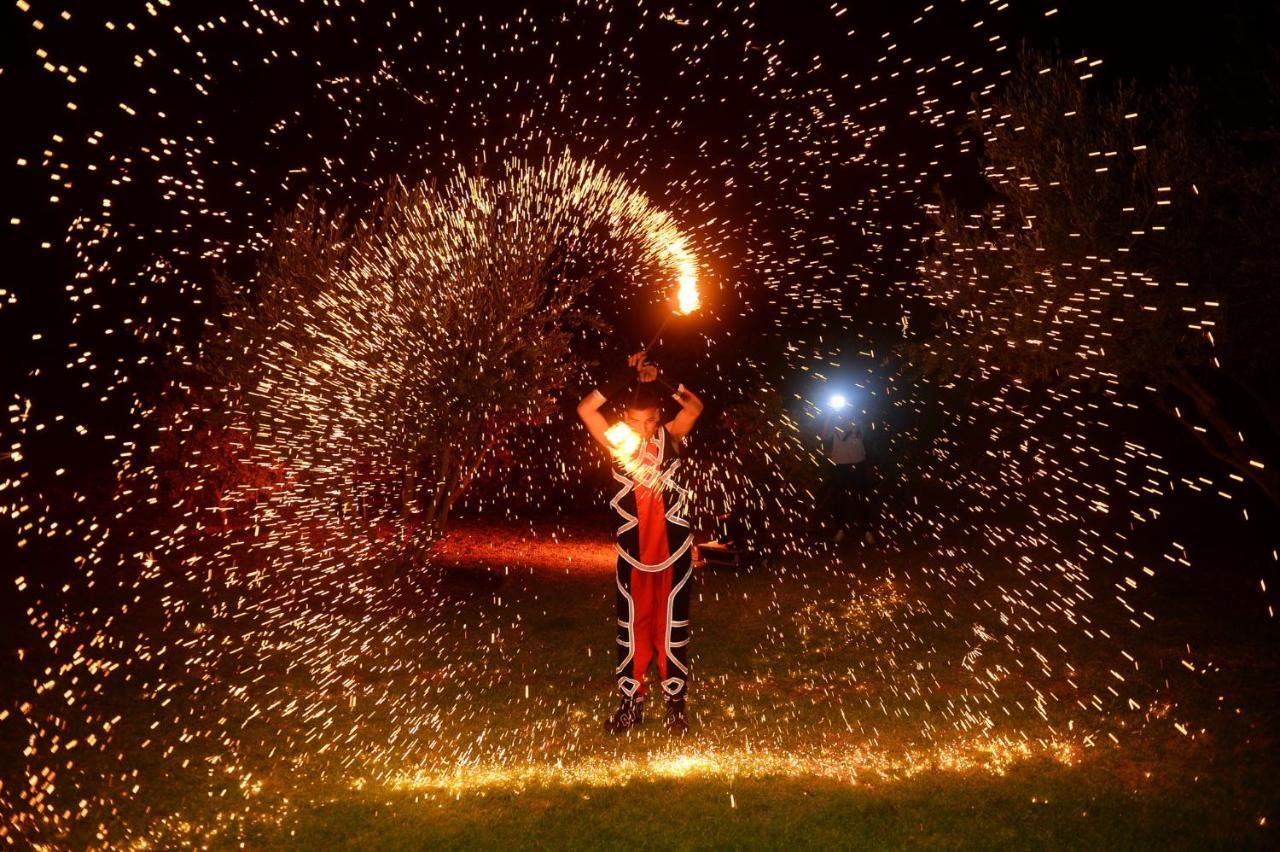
(655, 560)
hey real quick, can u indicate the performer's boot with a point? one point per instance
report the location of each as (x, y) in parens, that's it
(630, 714)
(677, 720)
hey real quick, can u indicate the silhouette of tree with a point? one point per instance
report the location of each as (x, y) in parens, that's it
(1128, 240)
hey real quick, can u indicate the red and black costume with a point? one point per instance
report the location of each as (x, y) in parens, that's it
(654, 570)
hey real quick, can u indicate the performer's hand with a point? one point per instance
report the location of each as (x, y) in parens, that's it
(645, 371)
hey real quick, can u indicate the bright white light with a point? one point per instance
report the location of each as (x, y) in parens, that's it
(838, 401)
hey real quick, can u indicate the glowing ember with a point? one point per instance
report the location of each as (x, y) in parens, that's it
(624, 445)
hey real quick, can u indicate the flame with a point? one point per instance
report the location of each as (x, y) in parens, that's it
(686, 277)
(623, 440)
(625, 445)
(687, 295)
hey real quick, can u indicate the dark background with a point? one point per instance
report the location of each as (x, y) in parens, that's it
(1144, 40)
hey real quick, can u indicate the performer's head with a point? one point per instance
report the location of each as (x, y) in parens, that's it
(644, 411)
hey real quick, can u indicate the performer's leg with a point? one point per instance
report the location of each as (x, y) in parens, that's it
(658, 622)
(844, 498)
(853, 500)
(675, 682)
(642, 585)
(628, 683)
(829, 504)
(837, 497)
(860, 501)
(630, 712)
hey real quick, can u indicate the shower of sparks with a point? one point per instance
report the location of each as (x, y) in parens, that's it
(850, 763)
(240, 623)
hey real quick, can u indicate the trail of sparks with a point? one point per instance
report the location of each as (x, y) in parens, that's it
(851, 764)
(241, 620)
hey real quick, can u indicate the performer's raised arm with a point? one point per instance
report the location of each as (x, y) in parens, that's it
(589, 407)
(690, 408)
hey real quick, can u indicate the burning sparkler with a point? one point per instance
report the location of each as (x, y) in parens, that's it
(624, 444)
(624, 439)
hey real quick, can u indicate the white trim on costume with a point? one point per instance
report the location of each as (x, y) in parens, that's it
(630, 644)
(666, 563)
(671, 603)
(627, 484)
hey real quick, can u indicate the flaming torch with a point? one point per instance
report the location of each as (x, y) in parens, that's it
(687, 298)
(624, 443)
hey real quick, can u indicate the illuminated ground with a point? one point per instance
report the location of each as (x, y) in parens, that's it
(806, 730)
(795, 741)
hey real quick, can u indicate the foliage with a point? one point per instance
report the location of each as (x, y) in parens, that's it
(1125, 243)
(400, 346)
(202, 458)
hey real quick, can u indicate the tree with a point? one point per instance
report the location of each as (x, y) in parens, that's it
(411, 339)
(1126, 242)
(202, 458)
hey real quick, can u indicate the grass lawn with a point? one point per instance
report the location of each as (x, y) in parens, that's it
(834, 703)
(812, 728)
(1036, 805)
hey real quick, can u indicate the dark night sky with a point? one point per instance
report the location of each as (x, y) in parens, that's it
(1143, 39)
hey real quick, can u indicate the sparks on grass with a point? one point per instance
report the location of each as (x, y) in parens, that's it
(850, 763)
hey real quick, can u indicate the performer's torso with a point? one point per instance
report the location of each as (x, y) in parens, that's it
(650, 511)
(651, 504)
